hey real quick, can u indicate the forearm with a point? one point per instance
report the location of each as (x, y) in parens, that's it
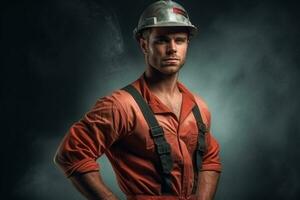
(207, 185)
(92, 187)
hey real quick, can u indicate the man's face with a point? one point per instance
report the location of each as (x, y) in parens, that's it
(165, 49)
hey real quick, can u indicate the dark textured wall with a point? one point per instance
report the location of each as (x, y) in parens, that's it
(58, 57)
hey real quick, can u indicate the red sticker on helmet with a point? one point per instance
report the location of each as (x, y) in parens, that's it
(179, 11)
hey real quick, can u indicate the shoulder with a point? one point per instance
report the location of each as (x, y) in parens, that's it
(118, 108)
(202, 105)
(117, 100)
(122, 99)
(200, 102)
(122, 103)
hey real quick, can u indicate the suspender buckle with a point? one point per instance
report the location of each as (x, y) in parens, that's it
(163, 148)
(201, 147)
(157, 131)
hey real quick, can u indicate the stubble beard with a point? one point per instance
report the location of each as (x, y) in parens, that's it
(165, 69)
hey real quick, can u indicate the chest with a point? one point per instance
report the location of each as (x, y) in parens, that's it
(173, 104)
(181, 137)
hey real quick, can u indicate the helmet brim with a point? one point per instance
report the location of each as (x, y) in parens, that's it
(192, 29)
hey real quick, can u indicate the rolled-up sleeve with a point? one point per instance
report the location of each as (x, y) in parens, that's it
(90, 137)
(211, 160)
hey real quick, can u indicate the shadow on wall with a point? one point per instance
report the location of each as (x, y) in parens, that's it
(46, 181)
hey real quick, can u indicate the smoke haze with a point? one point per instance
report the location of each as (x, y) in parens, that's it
(60, 56)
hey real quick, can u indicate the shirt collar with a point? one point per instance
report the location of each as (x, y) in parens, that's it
(188, 100)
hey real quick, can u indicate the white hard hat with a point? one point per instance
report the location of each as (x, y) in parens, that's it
(164, 13)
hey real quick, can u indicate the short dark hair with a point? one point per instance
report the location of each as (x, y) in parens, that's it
(145, 33)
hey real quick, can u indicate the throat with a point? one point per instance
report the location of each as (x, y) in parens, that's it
(161, 83)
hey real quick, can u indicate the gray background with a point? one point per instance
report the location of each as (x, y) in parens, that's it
(58, 57)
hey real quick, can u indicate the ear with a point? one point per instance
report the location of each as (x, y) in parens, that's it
(144, 45)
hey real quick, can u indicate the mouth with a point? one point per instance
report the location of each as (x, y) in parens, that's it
(170, 59)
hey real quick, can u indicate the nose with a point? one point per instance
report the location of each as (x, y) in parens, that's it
(172, 47)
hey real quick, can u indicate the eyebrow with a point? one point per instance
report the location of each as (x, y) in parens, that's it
(161, 37)
(166, 37)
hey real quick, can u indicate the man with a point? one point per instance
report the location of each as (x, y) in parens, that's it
(155, 132)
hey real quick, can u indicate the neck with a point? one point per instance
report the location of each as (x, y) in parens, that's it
(161, 84)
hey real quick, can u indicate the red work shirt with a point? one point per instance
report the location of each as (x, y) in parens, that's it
(115, 126)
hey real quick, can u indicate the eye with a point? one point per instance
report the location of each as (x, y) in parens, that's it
(180, 40)
(161, 40)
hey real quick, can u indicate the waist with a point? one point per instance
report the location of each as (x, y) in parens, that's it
(161, 197)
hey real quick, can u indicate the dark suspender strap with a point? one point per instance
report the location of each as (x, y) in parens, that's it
(163, 148)
(201, 146)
